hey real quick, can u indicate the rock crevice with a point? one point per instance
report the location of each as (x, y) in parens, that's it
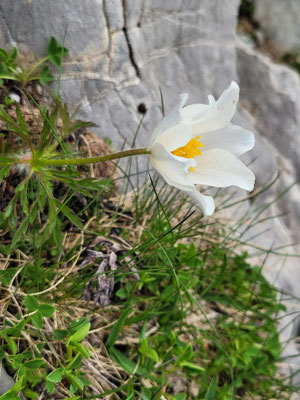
(130, 47)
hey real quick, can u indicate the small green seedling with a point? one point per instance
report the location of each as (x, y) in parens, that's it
(10, 70)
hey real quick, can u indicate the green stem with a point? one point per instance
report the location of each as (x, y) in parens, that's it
(40, 62)
(90, 160)
(69, 354)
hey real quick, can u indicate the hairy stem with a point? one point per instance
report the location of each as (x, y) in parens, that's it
(89, 160)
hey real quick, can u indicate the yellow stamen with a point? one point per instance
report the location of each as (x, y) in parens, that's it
(190, 150)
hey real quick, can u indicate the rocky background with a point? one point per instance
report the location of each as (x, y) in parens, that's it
(123, 52)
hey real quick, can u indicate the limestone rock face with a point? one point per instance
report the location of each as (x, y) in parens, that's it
(271, 93)
(122, 52)
(280, 20)
(6, 382)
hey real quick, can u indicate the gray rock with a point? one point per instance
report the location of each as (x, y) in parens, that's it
(6, 382)
(271, 92)
(122, 52)
(280, 20)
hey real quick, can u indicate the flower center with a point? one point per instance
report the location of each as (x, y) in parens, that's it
(190, 150)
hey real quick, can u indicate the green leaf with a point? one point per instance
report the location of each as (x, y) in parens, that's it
(37, 319)
(24, 199)
(72, 398)
(191, 365)
(60, 333)
(52, 46)
(131, 366)
(37, 363)
(7, 275)
(44, 71)
(69, 214)
(4, 172)
(10, 395)
(4, 70)
(55, 376)
(151, 353)
(52, 222)
(31, 303)
(13, 55)
(48, 131)
(116, 329)
(81, 349)
(9, 210)
(212, 390)
(145, 349)
(21, 120)
(80, 334)
(3, 54)
(272, 345)
(25, 223)
(30, 394)
(40, 346)
(22, 228)
(75, 363)
(55, 52)
(85, 381)
(77, 324)
(47, 310)
(16, 361)
(33, 378)
(180, 396)
(45, 76)
(7, 76)
(16, 329)
(78, 125)
(50, 386)
(122, 293)
(75, 380)
(12, 345)
(44, 80)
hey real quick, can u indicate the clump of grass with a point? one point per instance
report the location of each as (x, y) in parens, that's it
(201, 322)
(246, 9)
(293, 60)
(11, 71)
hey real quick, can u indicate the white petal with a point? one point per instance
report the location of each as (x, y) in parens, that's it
(194, 111)
(173, 169)
(176, 136)
(169, 120)
(232, 138)
(211, 111)
(205, 203)
(219, 114)
(217, 167)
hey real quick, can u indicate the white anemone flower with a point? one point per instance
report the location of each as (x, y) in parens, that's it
(198, 144)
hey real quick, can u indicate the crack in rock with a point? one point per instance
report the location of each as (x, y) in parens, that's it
(130, 49)
(109, 45)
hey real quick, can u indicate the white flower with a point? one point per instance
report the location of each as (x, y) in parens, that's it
(198, 144)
